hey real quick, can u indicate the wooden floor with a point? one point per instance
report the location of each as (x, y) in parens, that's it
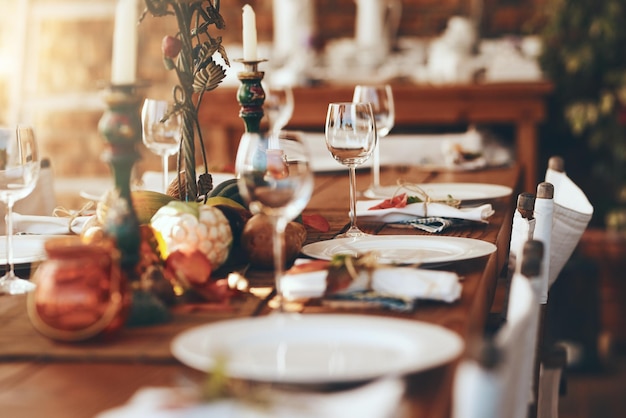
(596, 393)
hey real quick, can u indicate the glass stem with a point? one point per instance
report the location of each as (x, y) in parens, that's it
(353, 198)
(376, 167)
(278, 243)
(165, 172)
(274, 135)
(9, 236)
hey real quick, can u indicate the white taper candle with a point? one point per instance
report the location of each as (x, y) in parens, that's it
(249, 34)
(124, 62)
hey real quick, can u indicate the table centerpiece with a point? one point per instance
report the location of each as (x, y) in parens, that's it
(190, 54)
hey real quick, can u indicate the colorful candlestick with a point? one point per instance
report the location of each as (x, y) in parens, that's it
(120, 125)
(251, 95)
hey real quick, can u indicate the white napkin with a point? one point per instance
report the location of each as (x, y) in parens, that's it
(572, 213)
(47, 225)
(402, 282)
(417, 283)
(479, 213)
(470, 142)
(379, 399)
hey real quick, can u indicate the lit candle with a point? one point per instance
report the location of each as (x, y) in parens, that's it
(124, 63)
(249, 34)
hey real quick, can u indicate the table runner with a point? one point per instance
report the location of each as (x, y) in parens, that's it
(20, 341)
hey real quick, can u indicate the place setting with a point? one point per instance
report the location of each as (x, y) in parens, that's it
(351, 138)
(25, 235)
(389, 272)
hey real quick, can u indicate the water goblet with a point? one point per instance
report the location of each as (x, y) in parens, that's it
(162, 131)
(19, 170)
(381, 99)
(351, 137)
(278, 107)
(275, 179)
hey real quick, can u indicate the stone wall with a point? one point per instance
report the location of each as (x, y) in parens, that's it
(64, 49)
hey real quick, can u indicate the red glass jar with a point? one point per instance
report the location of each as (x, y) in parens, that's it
(81, 292)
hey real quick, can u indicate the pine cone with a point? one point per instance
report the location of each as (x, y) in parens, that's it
(205, 185)
(173, 189)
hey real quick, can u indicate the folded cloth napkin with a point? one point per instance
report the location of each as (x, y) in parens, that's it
(572, 213)
(479, 213)
(405, 283)
(417, 283)
(465, 153)
(379, 399)
(48, 225)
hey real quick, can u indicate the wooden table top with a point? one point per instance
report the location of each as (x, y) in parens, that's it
(40, 377)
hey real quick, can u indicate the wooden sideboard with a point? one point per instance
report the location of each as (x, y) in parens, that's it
(521, 105)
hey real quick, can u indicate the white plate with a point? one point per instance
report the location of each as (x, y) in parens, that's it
(403, 249)
(317, 348)
(461, 191)
(26, 248)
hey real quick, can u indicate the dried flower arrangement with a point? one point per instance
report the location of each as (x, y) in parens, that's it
(190, 53)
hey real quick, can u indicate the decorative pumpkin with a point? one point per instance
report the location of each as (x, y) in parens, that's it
(190, 226)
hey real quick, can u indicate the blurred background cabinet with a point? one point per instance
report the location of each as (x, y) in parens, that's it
(521, 105)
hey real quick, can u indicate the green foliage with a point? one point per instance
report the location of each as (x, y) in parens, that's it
(585, 56)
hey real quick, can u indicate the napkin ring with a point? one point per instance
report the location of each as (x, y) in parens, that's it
(62, 212)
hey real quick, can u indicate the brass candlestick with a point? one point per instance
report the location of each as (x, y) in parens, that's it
(251, 95)
(120, 125)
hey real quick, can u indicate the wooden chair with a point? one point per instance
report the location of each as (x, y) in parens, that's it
(495, 380)
(558, 221)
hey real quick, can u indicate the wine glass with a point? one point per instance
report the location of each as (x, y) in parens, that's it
(278, 107)
(350, 134)
(19, 170)
(162, 130)
(381, 99)
(275, 179)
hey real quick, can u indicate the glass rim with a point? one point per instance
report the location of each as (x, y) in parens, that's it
(337, 104)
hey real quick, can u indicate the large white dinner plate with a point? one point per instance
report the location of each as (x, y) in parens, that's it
(26, 248)
(403, 249)
(317, 348)
(440, 191)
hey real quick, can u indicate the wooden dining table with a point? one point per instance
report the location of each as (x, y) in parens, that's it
(41, 377)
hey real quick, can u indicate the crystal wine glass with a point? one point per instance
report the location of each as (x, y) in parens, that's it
(381, 99)
(161, 131)
(19, 170)
(351, 137)
(278, 107)
(275, 179)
